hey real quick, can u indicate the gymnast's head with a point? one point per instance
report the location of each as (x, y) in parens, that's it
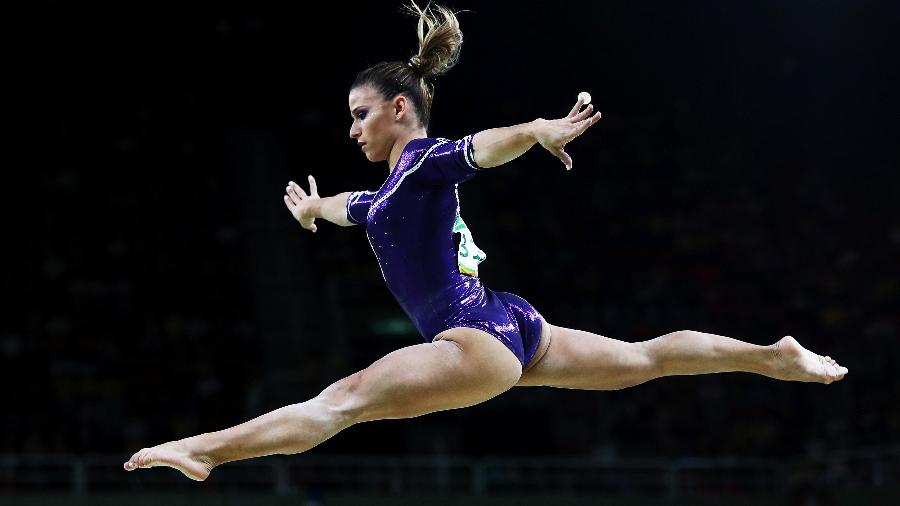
(390, 101)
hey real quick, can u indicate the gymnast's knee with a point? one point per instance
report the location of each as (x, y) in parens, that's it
(343, 400)
(351, 401)
(661, 350)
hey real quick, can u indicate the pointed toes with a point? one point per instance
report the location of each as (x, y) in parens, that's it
(139, 459)
(836, 373)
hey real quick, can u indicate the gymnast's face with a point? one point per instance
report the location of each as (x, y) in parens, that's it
(375, 126)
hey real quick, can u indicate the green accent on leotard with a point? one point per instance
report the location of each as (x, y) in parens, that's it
(468, 255)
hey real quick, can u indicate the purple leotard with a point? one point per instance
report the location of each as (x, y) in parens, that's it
(410, 224)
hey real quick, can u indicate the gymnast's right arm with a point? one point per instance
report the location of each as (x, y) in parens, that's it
(498, 146)
(307, 208)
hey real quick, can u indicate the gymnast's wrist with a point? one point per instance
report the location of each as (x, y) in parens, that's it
(314, 208)
(533, 129)
(333, 209)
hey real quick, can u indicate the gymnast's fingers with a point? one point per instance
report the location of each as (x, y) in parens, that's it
(585, 123)
(295, 198)
(575, 109)
(564, 158)
(313, 190)
(583, 114)
(300, 191)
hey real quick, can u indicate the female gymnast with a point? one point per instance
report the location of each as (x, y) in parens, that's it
(478, 343)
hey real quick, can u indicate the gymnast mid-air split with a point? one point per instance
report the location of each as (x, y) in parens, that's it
(479, 343)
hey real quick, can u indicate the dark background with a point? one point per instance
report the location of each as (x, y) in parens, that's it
(743, 181)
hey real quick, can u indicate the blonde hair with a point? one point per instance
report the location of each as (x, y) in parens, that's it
(440, 40)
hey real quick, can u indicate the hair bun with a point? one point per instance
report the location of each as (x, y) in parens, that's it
(415, 68)
(439, 40)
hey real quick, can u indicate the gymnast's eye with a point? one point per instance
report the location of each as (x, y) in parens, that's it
(361, 114)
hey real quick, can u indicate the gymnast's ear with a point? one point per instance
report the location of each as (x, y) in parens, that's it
(401, 106)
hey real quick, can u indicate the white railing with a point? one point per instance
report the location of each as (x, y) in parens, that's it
(428, 474)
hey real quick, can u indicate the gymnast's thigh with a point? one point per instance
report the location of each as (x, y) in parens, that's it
(583, 360)
(461, 367)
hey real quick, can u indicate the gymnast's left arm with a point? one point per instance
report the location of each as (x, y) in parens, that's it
(497, 146)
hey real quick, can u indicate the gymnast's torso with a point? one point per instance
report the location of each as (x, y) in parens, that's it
(427, 254)
(411, 221)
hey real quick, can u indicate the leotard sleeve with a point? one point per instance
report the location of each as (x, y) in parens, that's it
(449, 162)
(358, 206)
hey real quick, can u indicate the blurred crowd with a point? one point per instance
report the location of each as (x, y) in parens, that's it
(133, 319)
(156, 287)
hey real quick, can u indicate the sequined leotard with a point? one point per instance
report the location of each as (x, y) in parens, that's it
(411, 221)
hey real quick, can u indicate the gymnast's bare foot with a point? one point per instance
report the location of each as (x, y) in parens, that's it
(792, 362)
(174, 454)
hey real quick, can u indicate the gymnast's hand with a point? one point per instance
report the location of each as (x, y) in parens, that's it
(303, 207)
(556, 133)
